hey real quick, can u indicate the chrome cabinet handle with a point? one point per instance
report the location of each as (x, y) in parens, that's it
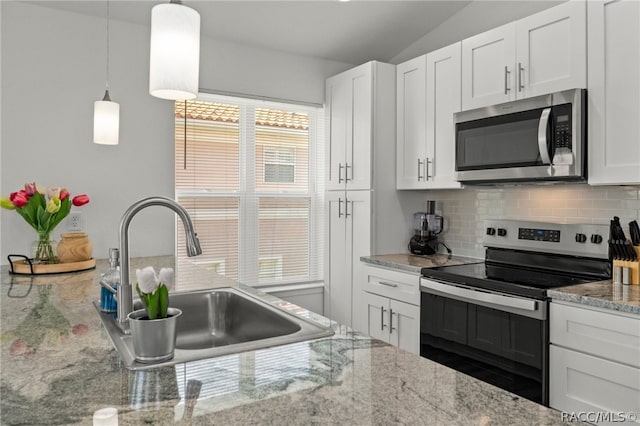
(506, 80)
(382, 324)
(346, 207)
(339, 207)
(520, 84)
(391, 327)
(388, 284)
(419, 167)
(347, 166)
(340, 166)
(427, 176)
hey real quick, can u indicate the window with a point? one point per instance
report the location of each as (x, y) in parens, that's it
(248, 172)
(279, 164)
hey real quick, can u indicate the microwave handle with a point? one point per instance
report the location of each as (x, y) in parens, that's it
(542, 136)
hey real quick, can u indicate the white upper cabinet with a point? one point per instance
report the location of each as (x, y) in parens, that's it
(551, 50)
(411, 129)
(349, 98)
(487, 67)
(539, 54)
(443, 100)
(428, 93)
(614, 92)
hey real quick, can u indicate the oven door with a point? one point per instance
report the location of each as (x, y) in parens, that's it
(530, 139)
(500, 339)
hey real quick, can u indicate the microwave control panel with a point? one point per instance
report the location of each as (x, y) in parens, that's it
(562, 126)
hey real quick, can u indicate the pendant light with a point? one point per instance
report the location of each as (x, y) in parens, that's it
(175, 51)
(106, 113)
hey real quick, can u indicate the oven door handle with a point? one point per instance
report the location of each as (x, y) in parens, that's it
(542, 136)
(491, 298)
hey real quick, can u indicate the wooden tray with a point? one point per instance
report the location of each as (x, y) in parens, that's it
(23, 267)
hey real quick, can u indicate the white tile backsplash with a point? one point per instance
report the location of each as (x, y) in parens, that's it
(465, 210)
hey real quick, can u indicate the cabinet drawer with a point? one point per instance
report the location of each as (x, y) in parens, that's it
(612, 336)
(392, 284)
(584, 383)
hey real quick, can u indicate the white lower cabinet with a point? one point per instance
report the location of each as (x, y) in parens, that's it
(594, 363)
(389, 307)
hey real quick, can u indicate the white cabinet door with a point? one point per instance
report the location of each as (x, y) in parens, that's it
(443, 100)
(348, 238)
(339, 123)
(488, 75)
(411, 126)
(339, 290)
(584, 383)
(614, 92)
(394, 322)
(377, 316)
(349, 100)
(404, 326)
(551, 50)
(358, 156)
(358, 216)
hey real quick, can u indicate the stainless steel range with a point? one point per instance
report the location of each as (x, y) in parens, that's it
(490, 319)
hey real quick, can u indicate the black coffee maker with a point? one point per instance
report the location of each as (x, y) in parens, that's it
(426, 226)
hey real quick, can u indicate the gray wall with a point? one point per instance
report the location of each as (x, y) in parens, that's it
(53, 69)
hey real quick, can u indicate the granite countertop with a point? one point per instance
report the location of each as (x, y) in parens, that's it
(412, 263)
(58, 367)
(601, 294)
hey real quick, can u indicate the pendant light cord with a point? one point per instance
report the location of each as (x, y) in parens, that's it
(107, 70)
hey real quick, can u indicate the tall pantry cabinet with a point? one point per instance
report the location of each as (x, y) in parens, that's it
(614, 92)
(360, 180)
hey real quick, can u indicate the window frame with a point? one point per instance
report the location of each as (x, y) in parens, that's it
(249, 195)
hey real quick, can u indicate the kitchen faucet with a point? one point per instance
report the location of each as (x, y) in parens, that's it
(125, 289)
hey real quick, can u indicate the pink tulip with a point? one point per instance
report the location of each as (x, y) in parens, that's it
(19, 199)
(53, 191)
(80, 200)
(64, 193)
(30, 188)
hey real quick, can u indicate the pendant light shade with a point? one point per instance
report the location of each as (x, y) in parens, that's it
(106, 121)
(175, 52)
(106, 113)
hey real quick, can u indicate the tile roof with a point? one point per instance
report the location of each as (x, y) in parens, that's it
(211, 111)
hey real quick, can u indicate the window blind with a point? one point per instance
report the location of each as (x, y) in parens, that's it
(249, 173)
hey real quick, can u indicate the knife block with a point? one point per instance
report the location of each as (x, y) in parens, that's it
(633, 265)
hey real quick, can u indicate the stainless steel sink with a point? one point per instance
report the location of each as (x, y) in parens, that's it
(220, 322)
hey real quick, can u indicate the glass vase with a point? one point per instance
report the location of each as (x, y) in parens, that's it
(43, 250)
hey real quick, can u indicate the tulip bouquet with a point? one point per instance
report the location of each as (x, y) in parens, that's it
(154, 290)
(43, 209)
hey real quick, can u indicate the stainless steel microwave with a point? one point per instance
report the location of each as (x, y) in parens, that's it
(529, 140)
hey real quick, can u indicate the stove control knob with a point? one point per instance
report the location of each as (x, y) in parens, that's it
(596, 238)
(581, 238)
(502, 232)
(491, 231)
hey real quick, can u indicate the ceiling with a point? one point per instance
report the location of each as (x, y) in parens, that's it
(353, 32)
